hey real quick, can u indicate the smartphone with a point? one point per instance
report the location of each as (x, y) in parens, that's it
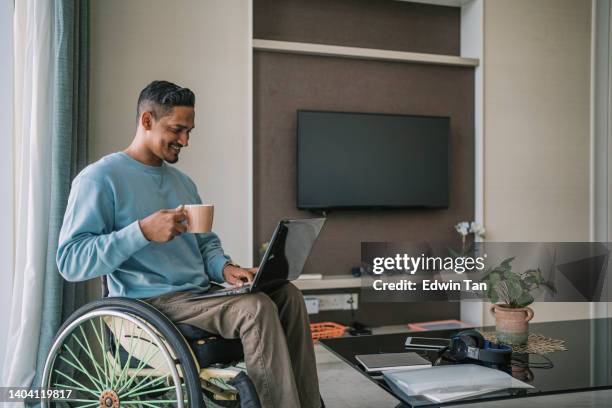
(431, 343)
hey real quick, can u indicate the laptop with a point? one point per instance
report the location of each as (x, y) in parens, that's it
(283, 260)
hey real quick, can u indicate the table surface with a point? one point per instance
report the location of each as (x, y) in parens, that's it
(585, 366)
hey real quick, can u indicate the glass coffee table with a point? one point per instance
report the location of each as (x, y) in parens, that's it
(585, 366)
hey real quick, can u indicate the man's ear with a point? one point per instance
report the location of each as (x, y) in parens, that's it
(146, 120)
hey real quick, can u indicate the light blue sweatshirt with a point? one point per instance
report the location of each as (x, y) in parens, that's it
(101, 236)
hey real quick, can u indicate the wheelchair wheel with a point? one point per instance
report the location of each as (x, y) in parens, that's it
(120, 352)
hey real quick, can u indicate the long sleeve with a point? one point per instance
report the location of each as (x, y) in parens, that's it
(213, 255)
(212, 252)
(88, 246)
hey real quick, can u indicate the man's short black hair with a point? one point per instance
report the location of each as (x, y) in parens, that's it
(160, 97)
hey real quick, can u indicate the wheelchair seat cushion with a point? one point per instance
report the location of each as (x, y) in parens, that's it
(193, 333)
(209, 348)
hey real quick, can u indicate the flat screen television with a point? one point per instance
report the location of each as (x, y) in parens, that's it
(368, 160)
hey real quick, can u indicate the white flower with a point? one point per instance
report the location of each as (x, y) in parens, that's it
(477, 229)
(463, 228)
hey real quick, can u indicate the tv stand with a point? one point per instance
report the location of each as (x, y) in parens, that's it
(328, 282)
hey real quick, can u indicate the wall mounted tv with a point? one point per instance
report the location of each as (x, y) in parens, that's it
(367, 160)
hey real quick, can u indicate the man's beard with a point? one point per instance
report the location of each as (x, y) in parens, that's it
(172, 160)
(171, 155)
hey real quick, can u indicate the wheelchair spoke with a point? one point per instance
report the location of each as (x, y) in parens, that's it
(113, 378)
(152, 403)
(95, 363)
(141, 365)
(81, 369)
(87, 351)
(143, 384)
(83, 400)
(126, 366)
(149, 391)
(72, 387)
(74, 381)
(102, 344)
(76, 360)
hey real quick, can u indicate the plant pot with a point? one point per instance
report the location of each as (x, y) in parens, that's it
(523, 374)
(512, 324)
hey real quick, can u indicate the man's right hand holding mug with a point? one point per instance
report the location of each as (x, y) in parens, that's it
(164, 225)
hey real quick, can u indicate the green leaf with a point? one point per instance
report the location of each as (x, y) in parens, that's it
(515, 290)
(512, 278)
(493, 296)
(505, 264)
(492, 282)
(524, 300)
(494, 278)
(529, 282)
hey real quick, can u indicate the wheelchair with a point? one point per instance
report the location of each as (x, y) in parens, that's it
(119, 352)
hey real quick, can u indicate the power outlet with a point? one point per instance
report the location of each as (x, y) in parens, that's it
(338, 301)
(312, 304)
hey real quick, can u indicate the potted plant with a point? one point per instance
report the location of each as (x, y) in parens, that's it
(510, 293)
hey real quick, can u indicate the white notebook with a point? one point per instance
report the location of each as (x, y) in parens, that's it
(392, 361)
(450, 382)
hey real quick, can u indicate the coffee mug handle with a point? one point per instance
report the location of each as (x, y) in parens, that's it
(529, 312)
(492, 310)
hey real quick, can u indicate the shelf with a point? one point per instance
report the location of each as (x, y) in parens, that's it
(362, 53)
(328, 282)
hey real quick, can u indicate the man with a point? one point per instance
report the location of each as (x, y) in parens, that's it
(125, 220)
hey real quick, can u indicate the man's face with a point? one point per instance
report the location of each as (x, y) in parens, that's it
(168, 134)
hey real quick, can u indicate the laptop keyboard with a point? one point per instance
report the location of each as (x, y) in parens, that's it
(235, 289)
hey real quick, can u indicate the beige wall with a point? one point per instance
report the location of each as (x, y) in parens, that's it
(536, 125)
(203, 45)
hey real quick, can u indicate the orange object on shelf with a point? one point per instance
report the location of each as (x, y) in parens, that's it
(326, 330)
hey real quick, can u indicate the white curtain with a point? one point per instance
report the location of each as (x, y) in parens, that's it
(33, 25)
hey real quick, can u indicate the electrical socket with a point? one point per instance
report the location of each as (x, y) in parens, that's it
(312, 304)
(338, 301)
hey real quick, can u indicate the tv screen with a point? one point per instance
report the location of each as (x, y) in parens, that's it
(357, 160)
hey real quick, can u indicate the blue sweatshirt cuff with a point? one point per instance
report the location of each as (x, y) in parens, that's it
(216, 265)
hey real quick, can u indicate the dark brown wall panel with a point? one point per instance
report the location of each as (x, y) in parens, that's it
(383, 24)
(284, 83)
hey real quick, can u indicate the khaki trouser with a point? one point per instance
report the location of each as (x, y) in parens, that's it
(275, 334)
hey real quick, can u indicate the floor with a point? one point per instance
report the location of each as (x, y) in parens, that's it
(343, 387)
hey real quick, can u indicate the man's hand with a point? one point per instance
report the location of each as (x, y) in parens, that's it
(237, 276)
(164, 225)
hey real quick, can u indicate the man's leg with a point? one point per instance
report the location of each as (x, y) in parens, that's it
(294, 319)
(254, 319)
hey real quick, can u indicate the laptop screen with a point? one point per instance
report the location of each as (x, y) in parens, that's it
(288, 250)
